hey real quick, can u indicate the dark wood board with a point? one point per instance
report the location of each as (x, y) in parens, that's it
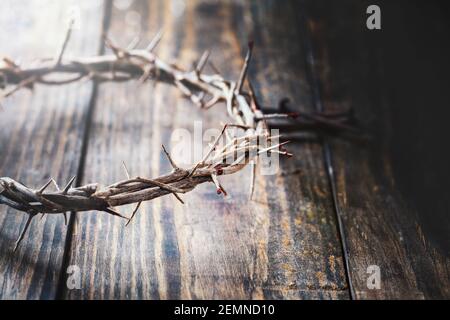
(41, 135)
(391, 191)
(282, 245)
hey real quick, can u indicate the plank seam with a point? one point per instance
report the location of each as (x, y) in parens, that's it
(314, 83)
(61, 288)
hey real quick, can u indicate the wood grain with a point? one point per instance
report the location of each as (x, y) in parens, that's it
(282, 245)
(41, 136)
(285, 243)
(354, 69)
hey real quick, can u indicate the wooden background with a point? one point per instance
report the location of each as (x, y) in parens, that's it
(313, 229)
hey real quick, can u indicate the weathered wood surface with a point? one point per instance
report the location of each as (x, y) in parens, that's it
(282, 245)
(41, 136)
(370, 71)
(285, 244)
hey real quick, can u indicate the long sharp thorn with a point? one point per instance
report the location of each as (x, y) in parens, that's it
(24, 83)
(178, 197)
(169, 157)
(219, 187)
(9, 62)
(56, 185)
(22, 234)
(155, 41)
(202, 62)
(254, 103)
(69, 185)
(132, 215)
(216, 142)
(111, 45)
(65, 42)
(273, 147)
(115, 213)
(66, 220)
(45, 186)
(244, 70)
(127, 173)
(252, 179)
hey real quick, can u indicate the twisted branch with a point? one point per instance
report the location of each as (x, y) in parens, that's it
(241, 150)
(204, 90)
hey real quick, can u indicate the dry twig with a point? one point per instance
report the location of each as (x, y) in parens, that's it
(134, 189)
(205, 90)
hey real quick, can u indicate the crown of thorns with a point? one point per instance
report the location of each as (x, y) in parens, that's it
(204, 90)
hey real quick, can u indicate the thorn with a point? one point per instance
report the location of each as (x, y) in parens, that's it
(133, 44)
(132, 215)
(22, 234)
(147, 70)
(238, 160)
(65, 42)
(273, 147)
(115, 213)
(184, 90)
(202, 62)
(228, 135)
(211, 102)
(115, 49)
(230, 97)
(170, 158)
(284, 153)
(107, 41)
(42, 216)
(66, 221)
(67, 187)
(252, 179)
(41, 190)
(56, 185)
(292, 115)
(127, 173)
(244, 70)
(10, 63)
(219, 187)
(26, 83)
(197, 99)
(254, 102)
(178, 197)
(155, 41)
(213, 146)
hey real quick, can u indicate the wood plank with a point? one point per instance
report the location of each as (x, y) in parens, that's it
(40, 137)
(371, 71)
(282, 245)
(298, 197)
